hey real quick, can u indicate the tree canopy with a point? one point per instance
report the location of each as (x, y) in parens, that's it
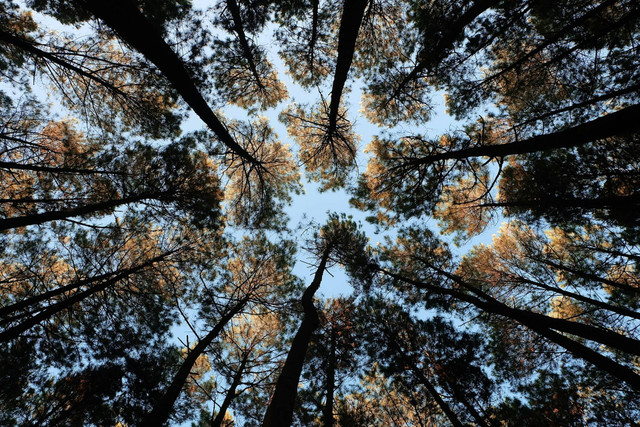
(150, 273)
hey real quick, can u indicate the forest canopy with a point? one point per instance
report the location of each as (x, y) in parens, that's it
(147, 256)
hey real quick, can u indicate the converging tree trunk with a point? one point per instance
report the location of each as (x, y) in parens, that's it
(163, 408)
(280, 410)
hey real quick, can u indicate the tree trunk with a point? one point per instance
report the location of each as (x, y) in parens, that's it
(615, 369)
(596, 303)
(124, 17)
(352, 14)
(232, 5)
(417, 372)
(56, 308)
(614, 124)
(159, 415)
(280, 410)
(327, 410)
(448, 38)
(4, 311)
(231, 393)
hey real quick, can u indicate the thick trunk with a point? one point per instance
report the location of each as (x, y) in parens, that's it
(41, 218)
(614, 124)
(532, 321)
(352, 14)
(280, 410)
(160, 413)
(15, 331)
(231, 393)
(124, 17)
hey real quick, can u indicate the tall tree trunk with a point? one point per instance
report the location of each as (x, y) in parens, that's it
(41, 218)
(280, 410)
(350, 22)
(596, 303)
(327, 410)
(28, 302)
(231, 393)
(124, 17)
(604, 202)
(421, 377)
(614, 124)
(54, 170)
(56, 308)
(615, 369)
(232, 5)
(162, 409)
(434, 53)
(631, 290)
(602, 336)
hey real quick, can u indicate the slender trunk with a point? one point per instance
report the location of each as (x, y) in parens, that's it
(124, 17)
(596, 303)
(159, 415)
(592, 333)
(632, 290)
(448, 38)
(314, 32)
(352, 14)
(550, 40)
(41, 218)
(603, 97)
(28, 46)
(614, 124)
(58, 307)
(417, 372)
(60, 170)
(615, 369)
(606, 202)
(231, 393)
(232, 5)
(4, 311)
(280, 410)
(436, 396)
(457, 393)
(327, 411)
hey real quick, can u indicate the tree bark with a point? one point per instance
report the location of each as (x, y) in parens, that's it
(327, 410)
(159, 415)
(280, 410)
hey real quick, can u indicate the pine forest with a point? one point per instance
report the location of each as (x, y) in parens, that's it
(320, 213)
